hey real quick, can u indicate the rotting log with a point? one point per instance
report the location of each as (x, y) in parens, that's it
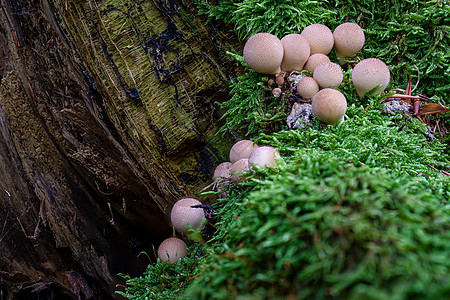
(107, 117)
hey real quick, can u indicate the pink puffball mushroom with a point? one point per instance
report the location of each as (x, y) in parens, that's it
(348, 39)
(263, 52)
(319, 37)
(328, 74)
(241, 149)
(279, 80)
(370, 73)
(222, 171)
(183, 216)
(296, 52)
(240, 165)
(264, 156)
(171, 249)
(276, 92)
(315, 60)
(329, 106)
(307, 87)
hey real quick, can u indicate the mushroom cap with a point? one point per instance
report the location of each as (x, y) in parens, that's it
(279, 80)
(222, 171)
(241, 149)
(348, 39)
(183, 216)
(171, 249)
(315, 60)
(264, 156)
(370, 73)
(263, 52)
(240, 165)
(296, 52)
(328, 74)
(307, 87)
(319, 37)
(329, 106)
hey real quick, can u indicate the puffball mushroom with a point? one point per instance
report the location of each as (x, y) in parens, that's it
(329, 106)
(315, 60)
(241, 149)
(184, 216)
(307, 87)
(348, 39)
(296, 52)
(276, 92)
(240, 165)
(171, 249)
(263, 52)
(370, 73)
(328, 74)
(222, 171)
(319, 37)
(264, 156)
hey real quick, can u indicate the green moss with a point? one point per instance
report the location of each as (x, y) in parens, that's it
(354, 211)
(323, 227)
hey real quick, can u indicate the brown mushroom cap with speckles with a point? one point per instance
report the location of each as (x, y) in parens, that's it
(296, 52)
(183, 215)
(370, 73)
(319, 37)
(263, 52)
(171, 249)
(307, 87)
(222, 171)
(329, 106)
(264, 156)
(315, 60)
(241, 149)
(328, 74)
(240, 165)
(348, 39)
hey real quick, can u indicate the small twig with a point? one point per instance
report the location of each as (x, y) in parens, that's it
(21, 226)
(112, 216)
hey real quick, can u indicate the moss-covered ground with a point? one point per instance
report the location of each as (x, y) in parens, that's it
(360, 210)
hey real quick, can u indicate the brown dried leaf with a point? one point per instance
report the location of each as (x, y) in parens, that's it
(433, 109)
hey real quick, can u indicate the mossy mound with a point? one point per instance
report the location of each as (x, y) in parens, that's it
(324, 227)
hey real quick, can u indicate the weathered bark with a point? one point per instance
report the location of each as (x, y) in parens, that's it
(107, 117)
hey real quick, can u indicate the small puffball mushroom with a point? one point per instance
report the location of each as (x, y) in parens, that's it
(241, 149)
(329, 106)
(296, 52)
(240, 165)
(328, 74)
(315, 60)
(270, 82)
(263, 52)
(222, 171)
(171, 249)
(280, 80)
(276, 92)
(184, 216)
(319, 37)
(348, 39)
(368, 74)
(307, 87)
(264, 156)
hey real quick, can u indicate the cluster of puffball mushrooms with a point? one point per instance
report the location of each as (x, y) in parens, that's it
(187, 212)
(285, 59)
(288, 57)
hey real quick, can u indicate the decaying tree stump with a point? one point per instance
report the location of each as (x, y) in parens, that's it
(107, 117)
